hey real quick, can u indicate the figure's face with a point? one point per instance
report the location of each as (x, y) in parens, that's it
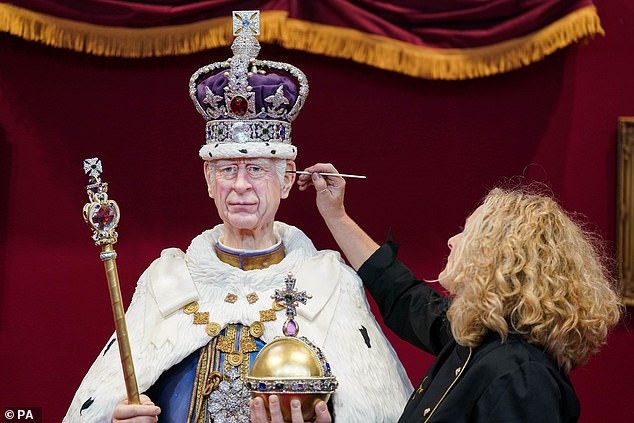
(247, 192)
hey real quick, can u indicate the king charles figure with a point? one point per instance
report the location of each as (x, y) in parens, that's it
(200, 317)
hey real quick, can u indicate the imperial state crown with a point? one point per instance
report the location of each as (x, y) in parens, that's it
(248, 103)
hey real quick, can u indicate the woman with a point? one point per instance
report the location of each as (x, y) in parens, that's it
(531, 300)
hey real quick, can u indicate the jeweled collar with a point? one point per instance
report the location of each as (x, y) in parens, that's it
(250, 260)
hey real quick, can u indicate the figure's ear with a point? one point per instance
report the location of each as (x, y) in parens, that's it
(207, 170)
(289, 179)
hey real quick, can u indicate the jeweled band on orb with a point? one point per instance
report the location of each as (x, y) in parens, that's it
(322, 385)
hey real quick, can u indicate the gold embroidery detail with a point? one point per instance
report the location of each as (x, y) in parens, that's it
(213, 329)
(426, 412)
(458, 371)
(201, 318)
(247, 343)
(191, 307)
(237, 356)
(227, 342)
(252, 297)
(234, 358)
(277, 306)
(201, 385)
(267, 315)
(231, 298)
(257, 329)
(212, 382)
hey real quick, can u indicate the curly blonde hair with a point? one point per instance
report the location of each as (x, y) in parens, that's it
(524, 266)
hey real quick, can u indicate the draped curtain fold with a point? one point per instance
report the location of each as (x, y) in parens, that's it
(444, 39)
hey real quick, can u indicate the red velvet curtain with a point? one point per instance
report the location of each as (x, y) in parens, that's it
(430, 149)
(441, 24)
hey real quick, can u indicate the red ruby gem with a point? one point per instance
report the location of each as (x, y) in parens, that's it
(239, 105)
(104, 216)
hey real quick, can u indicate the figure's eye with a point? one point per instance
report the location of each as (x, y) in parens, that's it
(255, 170)
(227, 171)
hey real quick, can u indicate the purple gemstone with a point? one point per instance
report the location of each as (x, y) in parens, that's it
(290, 328)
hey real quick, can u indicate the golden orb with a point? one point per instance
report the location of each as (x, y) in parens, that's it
(292, 368)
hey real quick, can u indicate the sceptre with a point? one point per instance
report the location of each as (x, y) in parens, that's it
(102, 215)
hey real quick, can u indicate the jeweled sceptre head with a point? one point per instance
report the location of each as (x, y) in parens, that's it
(248, 103)
(100, 213)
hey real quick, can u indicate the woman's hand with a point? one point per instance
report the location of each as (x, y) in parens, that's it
(356, 245)
(258, 412)
(330, 190)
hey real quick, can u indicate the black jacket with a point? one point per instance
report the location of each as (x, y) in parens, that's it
(495, 382)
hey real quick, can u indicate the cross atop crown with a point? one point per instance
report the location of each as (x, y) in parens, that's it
(246, 20)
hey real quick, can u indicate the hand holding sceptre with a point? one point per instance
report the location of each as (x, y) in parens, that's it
(102, 215)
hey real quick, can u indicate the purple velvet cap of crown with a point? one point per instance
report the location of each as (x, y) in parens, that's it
(262, 85)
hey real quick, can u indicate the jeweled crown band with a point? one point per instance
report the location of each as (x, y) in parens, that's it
(239, 131)
(253, 138)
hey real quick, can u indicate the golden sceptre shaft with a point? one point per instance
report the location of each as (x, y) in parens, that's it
(102, 215)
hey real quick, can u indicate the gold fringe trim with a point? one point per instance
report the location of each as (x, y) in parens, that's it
(378, 51)
(434, 63)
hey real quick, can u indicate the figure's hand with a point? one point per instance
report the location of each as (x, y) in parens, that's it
(258, 412)
(330, 190)
(136, 413)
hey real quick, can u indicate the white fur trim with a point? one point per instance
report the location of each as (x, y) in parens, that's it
(228, 150)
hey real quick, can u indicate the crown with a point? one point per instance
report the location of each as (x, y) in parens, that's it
(248, 103)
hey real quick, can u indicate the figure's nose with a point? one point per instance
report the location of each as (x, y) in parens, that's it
(242, 182)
